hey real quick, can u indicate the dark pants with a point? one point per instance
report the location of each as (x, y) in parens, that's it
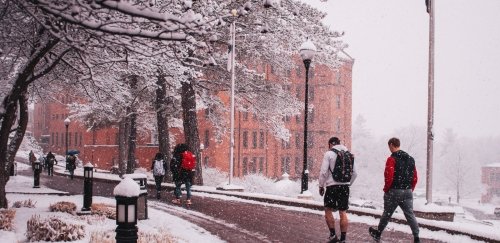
(404, 199)
(50, 170)
(158, 181)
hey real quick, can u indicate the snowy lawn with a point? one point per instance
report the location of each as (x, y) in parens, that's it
(159, 222)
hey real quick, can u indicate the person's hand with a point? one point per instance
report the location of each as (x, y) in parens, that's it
(321, 191)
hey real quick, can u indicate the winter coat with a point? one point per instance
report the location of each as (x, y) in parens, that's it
(164, 165)
(325, 174)
(400, 172)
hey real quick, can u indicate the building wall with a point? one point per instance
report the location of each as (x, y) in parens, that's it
(490, 177)
(330, 95)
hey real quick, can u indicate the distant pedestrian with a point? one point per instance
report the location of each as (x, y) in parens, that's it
(51, 161)
(71, 164)
(32, 159)
(400, 180)
(337, 191)
(159, 168)
(182, 166)
(42, 161)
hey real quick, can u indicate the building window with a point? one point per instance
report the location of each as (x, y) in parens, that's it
(52, 139)
(311, 93)
(337, 99)
(298, 91)
(261, 165)
(245, 116)
(338, 125)
(310, 164)
(245, 162)
(310, 140)
(298, 166)
(57, 139)
(245, 139)
(285, 165)
(337, 76)
(69, 139)
(254, 165)
(310, 116)
(76, 139)
(207, 138)
(80, 139)
(254, 139)
(205, 161)
(262, 139)
(285, 144)
(297, 140)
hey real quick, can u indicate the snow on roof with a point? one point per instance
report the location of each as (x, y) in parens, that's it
(127, 188)
(492, 165)
(88, 165)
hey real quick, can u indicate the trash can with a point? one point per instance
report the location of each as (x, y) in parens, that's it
(142, 201)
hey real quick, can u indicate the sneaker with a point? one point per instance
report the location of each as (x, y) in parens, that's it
(188, 202)
(333, 239)
(176, 201)
(374, 233)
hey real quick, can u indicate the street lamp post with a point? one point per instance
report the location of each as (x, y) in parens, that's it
(307, 51)
(66, 123)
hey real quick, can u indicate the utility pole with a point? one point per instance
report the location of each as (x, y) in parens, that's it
(430, 105)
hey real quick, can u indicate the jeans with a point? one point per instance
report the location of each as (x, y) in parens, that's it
(177, 191)
(404, 199)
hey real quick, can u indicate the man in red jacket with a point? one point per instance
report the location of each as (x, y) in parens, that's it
(400, 180)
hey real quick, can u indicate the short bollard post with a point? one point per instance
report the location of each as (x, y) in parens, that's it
(36, 176)
(126, 194)
(88, 175)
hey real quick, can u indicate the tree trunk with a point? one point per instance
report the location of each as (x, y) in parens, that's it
(9, 108)
(190, 124)
(122, 147)
(162, 121)
(132, 138)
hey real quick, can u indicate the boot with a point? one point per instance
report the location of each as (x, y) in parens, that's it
(374, 233)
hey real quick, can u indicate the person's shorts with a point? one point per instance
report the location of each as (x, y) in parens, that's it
(337, 197)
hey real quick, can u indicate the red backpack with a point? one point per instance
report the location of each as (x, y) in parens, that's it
(188, 161)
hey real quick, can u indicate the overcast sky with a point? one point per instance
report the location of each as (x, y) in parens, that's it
(389, 40)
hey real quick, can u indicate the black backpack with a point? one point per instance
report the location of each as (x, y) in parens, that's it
(342, 172)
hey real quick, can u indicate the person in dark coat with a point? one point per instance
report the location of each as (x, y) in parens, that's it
(400, 181)
(51, 161)
(180, 175)
(159, 168)
(71, 162)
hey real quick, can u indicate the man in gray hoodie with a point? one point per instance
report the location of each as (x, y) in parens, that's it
(336, 196)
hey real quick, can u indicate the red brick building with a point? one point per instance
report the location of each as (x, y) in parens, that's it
(256, 150)
(490, 177)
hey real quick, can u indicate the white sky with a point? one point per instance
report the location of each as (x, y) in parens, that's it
(390, 39)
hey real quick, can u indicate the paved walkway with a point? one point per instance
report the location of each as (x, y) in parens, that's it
(236, 221)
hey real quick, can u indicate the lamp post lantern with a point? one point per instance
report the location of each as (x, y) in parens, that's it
(66, 124)
(126, 195)
(88, 174)
(307, 52)
(36, 177)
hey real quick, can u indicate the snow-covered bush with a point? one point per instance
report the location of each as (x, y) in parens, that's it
(62, 206)
(106, 210)
(53, 229)
(109, 237)
(6, 218)
(26, 203)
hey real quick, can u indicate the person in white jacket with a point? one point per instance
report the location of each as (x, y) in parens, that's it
(336, 196)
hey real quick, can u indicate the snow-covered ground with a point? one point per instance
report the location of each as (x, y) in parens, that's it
(255, 185)
(20, 188)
